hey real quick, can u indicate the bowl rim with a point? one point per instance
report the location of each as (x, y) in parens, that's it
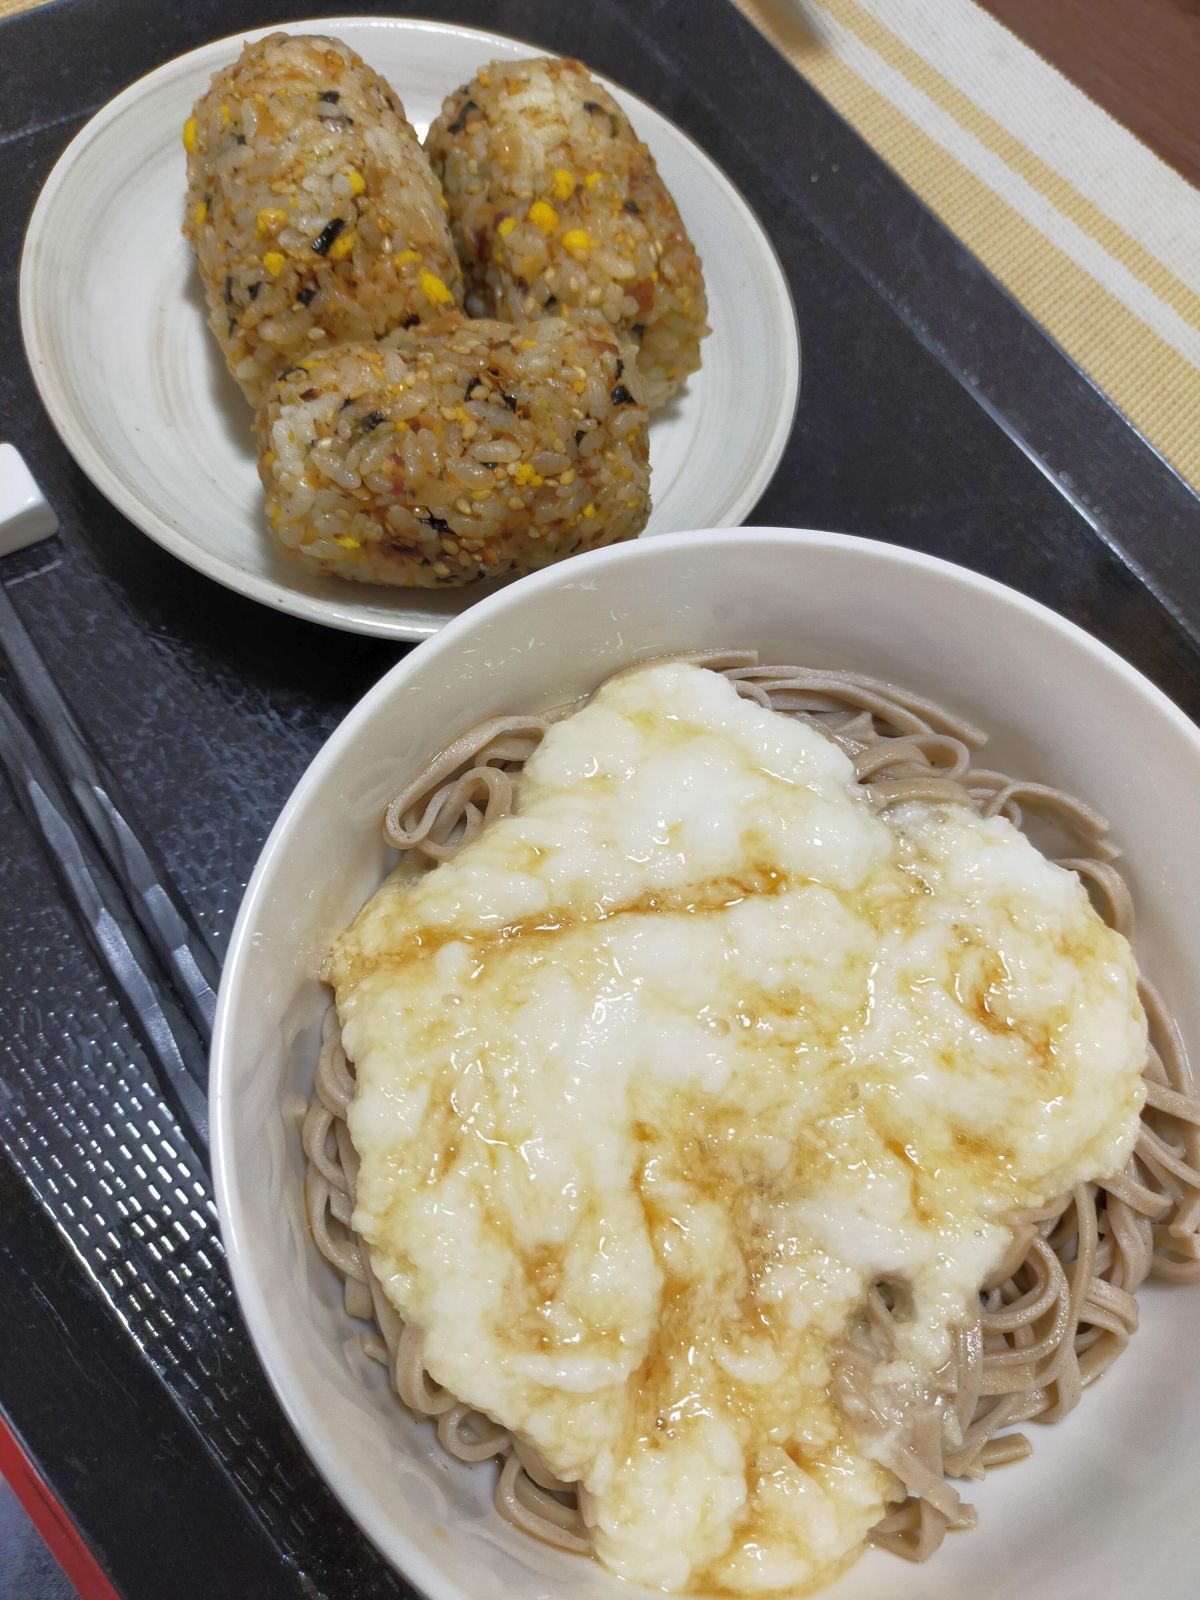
(255, 1310)
(335, 610)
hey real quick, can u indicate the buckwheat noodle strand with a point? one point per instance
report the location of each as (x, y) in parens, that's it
(1057, 1312)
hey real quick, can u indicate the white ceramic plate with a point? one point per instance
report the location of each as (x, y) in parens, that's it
(113, 318)
(1106, 1505)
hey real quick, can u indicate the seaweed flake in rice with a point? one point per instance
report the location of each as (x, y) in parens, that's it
(462, 450)
(557, 205)
(311, 207)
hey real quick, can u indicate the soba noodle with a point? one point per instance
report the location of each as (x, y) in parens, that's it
(1052, 1319)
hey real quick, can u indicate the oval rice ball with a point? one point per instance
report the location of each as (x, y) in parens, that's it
(312, 209)
(557, 205)
(463, 450)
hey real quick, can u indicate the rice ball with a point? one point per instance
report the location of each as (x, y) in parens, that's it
(464, 450)
(311, 208)
(557, 206)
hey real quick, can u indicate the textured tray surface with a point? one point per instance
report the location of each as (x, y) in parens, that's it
(932, 413)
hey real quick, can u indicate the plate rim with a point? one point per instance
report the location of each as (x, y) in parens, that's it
(343, 615)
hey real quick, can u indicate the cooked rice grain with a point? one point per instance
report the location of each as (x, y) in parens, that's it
(311, 208)
(557, 205)
(458, 451)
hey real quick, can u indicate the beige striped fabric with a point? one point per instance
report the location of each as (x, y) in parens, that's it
(1096, 237)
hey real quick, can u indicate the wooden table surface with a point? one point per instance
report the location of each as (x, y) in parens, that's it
(1139, 59)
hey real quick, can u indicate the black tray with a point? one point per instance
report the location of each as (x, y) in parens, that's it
(933, 413)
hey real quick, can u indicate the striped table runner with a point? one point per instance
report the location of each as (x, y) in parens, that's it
(1096, 237)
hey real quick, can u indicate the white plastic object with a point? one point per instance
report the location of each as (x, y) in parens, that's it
(25, 513)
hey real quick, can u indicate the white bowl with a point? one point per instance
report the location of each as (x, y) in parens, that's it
(1105, 1505)
(134, 382)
